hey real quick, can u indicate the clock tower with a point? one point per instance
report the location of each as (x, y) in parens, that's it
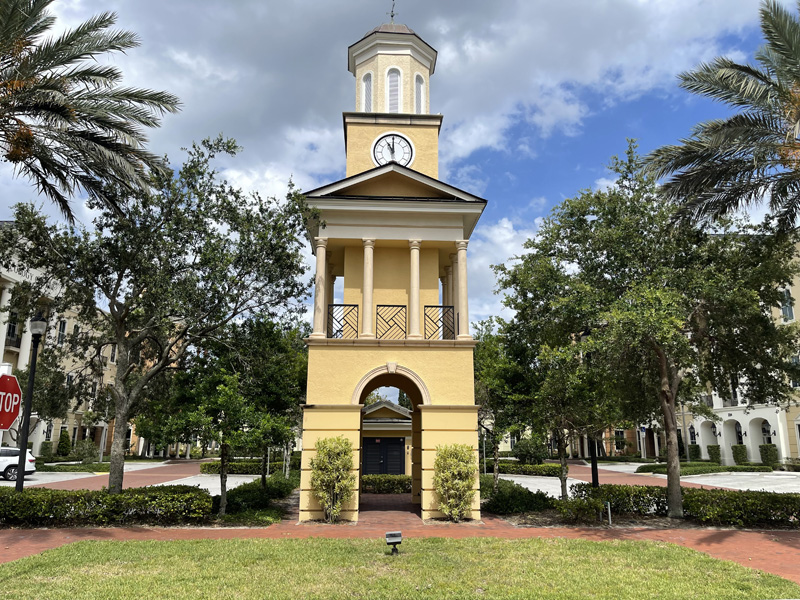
(392, 66)
(390, 291)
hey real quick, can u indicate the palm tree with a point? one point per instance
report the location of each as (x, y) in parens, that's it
(754, 155)
(65, 121)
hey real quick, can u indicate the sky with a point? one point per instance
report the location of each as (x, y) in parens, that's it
(536, 95)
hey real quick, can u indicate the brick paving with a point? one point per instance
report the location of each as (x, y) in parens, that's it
(775, 552)
(606, 476)
(140, 478)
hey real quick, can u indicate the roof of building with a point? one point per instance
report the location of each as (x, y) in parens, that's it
(391, 28)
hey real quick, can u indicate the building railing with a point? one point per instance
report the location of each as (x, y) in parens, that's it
(440, 323)
(14, 342)
(391, 322)
(343, 321)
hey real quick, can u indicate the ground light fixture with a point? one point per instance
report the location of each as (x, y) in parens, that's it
(394, 539)
(38, 326)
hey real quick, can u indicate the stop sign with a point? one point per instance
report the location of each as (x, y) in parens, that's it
(10, 400)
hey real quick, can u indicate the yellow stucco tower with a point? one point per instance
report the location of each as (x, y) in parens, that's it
(398, 237)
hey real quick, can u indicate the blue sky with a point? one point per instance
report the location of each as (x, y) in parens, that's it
(536, 95)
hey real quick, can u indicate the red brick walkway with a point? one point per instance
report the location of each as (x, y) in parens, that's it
(140, 478)
(775, 552)
(616, 477)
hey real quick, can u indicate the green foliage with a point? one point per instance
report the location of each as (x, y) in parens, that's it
(332, 479)
(85, 451)
(251, 496)
(454, 472)
(64, 447)
(626, 499)
(739, 453)
(739, 161)
(68, 123)
(705, 468)
(743, 508)
(714, 453)
(46, 450)
(373, 397)
(660, 467)
(386, 484)
(240, 467)
(579, 510)
(91, 467)
(512, 498)
(626, 458)
(162, 505)
(694, 452)
(514, 468)
(530, 450)
(769, 454)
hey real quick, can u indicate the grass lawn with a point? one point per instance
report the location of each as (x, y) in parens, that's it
(426, 568)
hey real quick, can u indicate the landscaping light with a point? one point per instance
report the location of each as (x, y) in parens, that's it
(393, 539)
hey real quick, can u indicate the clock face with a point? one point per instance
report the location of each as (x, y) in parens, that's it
(393, 147)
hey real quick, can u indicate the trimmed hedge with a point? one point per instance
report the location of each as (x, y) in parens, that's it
(512, 498)
(739, 453)
(701, 468)
(250, 496)
(625, 458)
(662, 468)
(386, 484)
(162, 505)
(717, 507)
(240, 467)
(694, 452)
(82, 468)
(544, 470)
(769, 454)
(714, 453)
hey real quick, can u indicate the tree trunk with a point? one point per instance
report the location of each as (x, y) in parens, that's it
(561, 439)
(674, 496)
(223, 478)
(496, 460)
(264, 459)
(116, 468)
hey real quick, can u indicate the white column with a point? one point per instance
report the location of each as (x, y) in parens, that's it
(366, 297)
(320, 245)
(5, 297)
(328, 296)
(25, 346)
(463, 307)
(454, 291)
(413, 297)
(784, 429)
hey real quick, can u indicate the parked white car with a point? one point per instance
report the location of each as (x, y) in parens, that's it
(9, 461)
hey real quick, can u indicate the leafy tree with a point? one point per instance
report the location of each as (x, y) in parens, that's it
(64, 447)
(671, 311)
(184, 262)
(731, 163)
(373, 397)
(67, 123)
(404, 401)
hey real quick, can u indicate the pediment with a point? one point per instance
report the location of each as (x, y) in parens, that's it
(385, 409)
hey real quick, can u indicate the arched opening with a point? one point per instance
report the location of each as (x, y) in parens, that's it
(732, 435)
(390, 438)
(708, 437)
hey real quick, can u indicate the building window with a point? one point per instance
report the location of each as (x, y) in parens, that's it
(766, 432)
(74, 435)
(619, 439)
(11, 331)
(393, 90)
(739, 438)
(419, 94)
(366, 93)
(795, 362)
(48, 433)
(787, 310)
(113, 353)
(62, 332)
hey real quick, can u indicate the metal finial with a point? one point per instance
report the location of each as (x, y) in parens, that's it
(392, 14)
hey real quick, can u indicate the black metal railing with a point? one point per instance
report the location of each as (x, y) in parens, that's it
(391, 322)
(440, 323)
(13, 342)
(343, 321)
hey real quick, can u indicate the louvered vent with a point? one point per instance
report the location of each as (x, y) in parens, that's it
(418, 85)
(367, 92)
(394, 91)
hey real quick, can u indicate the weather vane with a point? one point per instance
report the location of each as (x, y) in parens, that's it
(392, 14)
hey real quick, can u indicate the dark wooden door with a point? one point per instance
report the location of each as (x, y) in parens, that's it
(384, 456)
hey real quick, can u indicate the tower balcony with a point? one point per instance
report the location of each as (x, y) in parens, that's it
(391, 322)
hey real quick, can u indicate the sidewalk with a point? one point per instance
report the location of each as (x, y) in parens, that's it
(139, 477)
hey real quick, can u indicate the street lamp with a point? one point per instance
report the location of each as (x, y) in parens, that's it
(38, 326)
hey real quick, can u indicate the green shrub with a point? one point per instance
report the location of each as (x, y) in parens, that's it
(742, 508)
(626, 499)
(161, 505)
(530, 451)
(251, 496)
(46, 450)
(661, 468)
(512, 498)
(240, 467)
(714, 453)
(739, 453)
(769, 454)
(196, 452)
(85, 451)
(694, 452)
(625, 458)
(454, 479)
(386, 484)
(64, 447)
(706, 468)
(332, 479)
(515, 468)
(81, 468)
(579, 510)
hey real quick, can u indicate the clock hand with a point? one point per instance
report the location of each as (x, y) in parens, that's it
(393, 147)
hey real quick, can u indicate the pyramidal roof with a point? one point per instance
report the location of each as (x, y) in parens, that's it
(391, 28)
